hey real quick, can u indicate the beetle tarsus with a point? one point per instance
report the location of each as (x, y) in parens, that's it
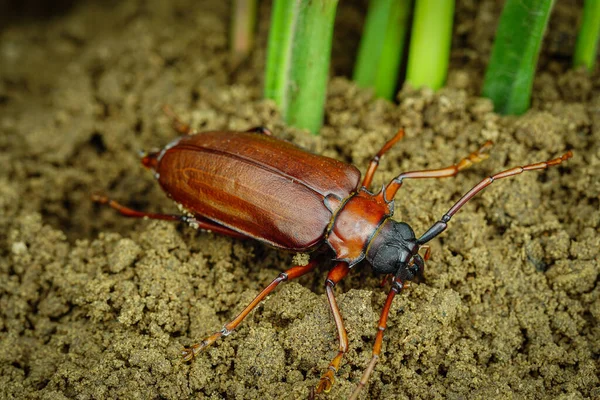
(397, 286)
(476, 156)
(294, 272)
(364, 378)
(336, 274)
(328, 378)
(98, 198)
(191, 352)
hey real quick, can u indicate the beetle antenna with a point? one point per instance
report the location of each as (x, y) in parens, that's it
(442, 224)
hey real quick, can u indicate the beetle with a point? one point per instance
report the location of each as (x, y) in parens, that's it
(253, 185)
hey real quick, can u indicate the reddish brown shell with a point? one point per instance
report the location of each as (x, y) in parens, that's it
(263, 187)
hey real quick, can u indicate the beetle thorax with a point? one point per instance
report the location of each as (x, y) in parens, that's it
(355, 223)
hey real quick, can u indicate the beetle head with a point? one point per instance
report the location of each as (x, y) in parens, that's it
(394, 250)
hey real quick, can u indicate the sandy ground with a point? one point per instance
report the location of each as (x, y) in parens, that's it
(96, 306)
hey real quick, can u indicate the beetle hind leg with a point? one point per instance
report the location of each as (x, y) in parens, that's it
(292, 273)
(196, 222)
(129, 212)
(260, 129)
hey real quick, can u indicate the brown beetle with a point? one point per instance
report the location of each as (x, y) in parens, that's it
(253, 185)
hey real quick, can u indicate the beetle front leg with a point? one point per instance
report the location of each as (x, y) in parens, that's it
(292, 273)
(397, 286)
(335, 275)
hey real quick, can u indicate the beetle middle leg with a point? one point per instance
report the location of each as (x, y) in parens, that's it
(335, 275)
(292, 273)
(375, 160)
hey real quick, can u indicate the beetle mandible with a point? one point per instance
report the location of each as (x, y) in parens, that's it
(253, 185)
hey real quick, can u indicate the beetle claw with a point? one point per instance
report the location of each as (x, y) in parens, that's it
(326, 382)
(187, 354)
(190, 352)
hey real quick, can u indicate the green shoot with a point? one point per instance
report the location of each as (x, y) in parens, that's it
(382, 46)
(509, 76)
(429, 51)
(586, 50)
(298, 57)
(242, 30)
(280, 42)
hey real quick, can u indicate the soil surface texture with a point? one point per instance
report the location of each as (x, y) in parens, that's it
(97, 306)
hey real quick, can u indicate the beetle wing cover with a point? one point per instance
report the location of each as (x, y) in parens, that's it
(255, 184)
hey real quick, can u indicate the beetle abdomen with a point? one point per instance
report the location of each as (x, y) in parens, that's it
(263, 187)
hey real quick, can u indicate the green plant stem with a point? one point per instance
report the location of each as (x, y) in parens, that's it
(586, 50)
(242, 30)
(429, 51)
(509, 76)
(298, 57)
(382, 46)
(279, 45)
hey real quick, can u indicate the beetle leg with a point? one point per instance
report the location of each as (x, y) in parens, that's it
(260, 129)
(195, 222)
(396, 288)
(335, 275)
(386, 277)
(292, 273)
(179, 126)
(474, 157)
(375, 160)
(427, 249)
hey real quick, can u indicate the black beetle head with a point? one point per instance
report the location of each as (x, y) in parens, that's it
(394, 250)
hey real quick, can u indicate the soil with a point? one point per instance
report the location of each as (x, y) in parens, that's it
(94, 306)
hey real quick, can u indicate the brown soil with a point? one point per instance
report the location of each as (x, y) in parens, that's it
(96, 306)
